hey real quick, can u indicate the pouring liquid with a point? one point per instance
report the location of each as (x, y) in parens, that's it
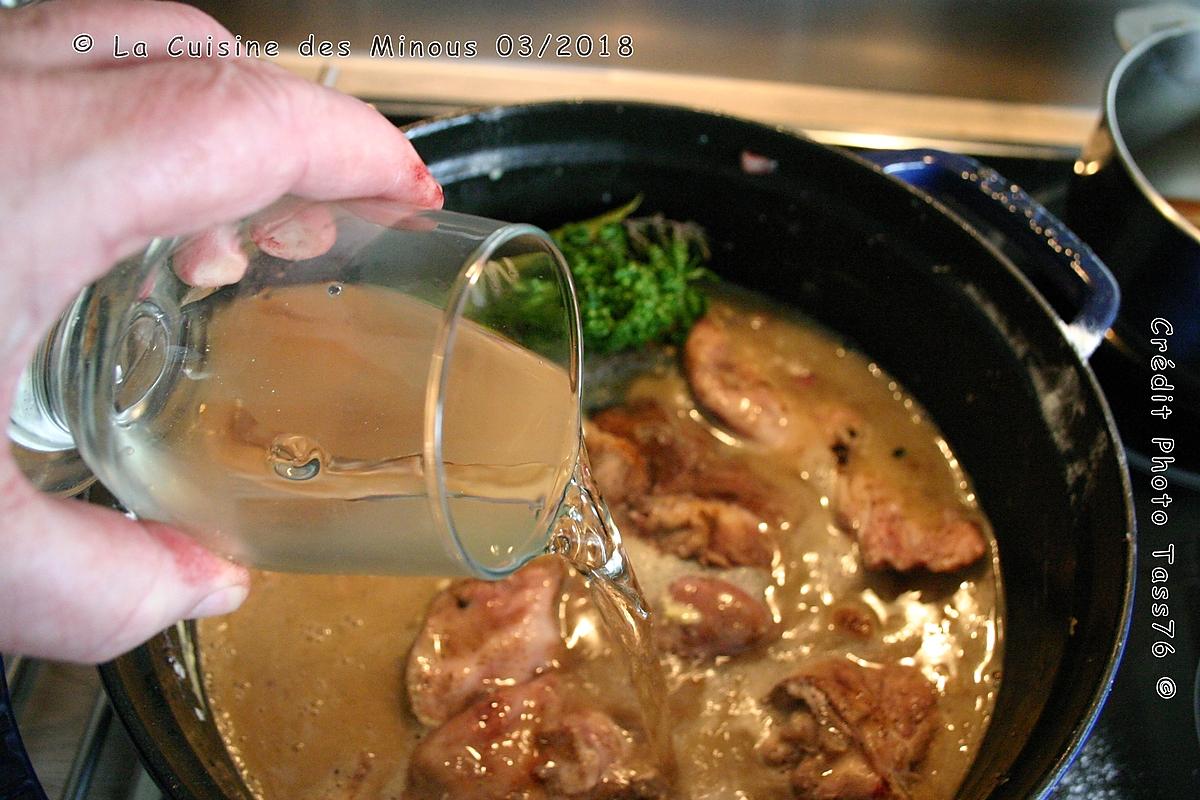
(590, 541)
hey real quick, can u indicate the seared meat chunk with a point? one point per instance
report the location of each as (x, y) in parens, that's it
(891, 537)
(642, 422)
(679, 460)
(849, 732)
(892, 709)
(713, 532)
(667, 451)
(707, 617)
(581, 752)
(482, 634)
(524, 741)
(733, 391)
(844, 777)
(489, 751)
(617, 465)
(697, 505)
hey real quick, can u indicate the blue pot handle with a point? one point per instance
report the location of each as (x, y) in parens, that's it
(17, 779)
(1061, 258)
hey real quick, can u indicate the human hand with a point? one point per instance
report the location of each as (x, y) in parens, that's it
(98, 157)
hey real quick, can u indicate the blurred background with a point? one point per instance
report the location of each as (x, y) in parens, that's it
(1033, 52)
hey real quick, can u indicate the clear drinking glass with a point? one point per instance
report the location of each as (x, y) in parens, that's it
(325, 387)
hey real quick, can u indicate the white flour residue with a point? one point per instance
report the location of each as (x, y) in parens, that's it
(1019, 343)
(1060, 394)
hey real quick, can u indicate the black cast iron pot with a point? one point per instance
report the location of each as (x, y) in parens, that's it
(903, 279)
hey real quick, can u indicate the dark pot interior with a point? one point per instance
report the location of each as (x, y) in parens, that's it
(900, 278)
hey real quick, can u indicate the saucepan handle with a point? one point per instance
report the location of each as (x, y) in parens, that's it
(1060, 257)
(1132, 25)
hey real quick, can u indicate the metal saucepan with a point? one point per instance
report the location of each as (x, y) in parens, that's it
(896, 273)
(1135, 186)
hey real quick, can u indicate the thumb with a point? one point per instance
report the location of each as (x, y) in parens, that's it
(83, 583)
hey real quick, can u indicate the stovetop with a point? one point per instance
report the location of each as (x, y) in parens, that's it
(1145, 746)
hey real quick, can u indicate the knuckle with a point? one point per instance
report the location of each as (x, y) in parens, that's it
(217, 102)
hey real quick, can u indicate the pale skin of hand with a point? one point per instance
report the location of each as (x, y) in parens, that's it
(98, 157)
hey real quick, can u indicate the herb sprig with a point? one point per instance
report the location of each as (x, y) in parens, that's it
(639, 279)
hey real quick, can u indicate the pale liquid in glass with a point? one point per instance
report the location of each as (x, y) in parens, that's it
(296, 441)
(296, 444)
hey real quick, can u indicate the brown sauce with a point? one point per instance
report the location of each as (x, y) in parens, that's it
(306, 680)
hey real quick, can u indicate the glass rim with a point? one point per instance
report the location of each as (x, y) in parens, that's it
(452, 315)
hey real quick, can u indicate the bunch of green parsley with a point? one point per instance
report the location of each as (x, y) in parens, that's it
(639, 280)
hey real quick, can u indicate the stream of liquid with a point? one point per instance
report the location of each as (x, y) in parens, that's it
(589, 539)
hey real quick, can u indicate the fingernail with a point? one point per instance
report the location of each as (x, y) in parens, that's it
(222, 601)
(421, 188)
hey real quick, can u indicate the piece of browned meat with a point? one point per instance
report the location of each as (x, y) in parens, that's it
(679, 460)
(889, 537)
(641, 421)
(733, 391)
(848, 732)
(665, 484)
(582, 752)
(617, 465)
(846, 776)
(707, 617)
(667, 451)
(479, 635)
(488, 751)
(713, 532)
(526, 742)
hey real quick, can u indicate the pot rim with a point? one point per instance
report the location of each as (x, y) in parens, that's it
(1112, 122)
